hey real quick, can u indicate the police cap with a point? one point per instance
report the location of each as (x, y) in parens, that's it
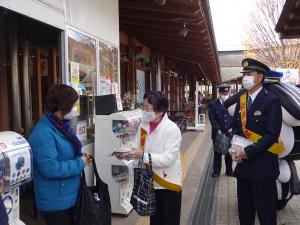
(223, 87)
(250, 65)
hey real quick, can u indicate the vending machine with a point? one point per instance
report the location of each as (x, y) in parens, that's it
(117, 132)
(15, 170)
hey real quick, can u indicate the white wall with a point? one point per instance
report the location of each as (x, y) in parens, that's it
(99, 18)
(47, 11)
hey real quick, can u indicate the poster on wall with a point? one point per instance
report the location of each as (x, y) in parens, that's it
(105, 87)
(81, 130)
(109, 65)
(114, 88)
(74, 79)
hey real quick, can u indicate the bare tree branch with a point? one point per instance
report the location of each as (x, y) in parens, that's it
(263, 42)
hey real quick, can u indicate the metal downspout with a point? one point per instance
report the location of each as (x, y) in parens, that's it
(13, 44)
(26, 89)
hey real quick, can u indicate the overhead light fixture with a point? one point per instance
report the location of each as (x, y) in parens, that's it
(160, 2)
(185, 30)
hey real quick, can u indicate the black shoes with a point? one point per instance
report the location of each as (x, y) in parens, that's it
(215, 175)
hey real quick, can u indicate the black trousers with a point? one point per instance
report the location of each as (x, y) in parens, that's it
(64, 217)
(168, 208)
(257, 195)
(218, 163)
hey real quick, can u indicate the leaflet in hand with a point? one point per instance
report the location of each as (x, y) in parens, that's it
(118, 151)
(238, 143)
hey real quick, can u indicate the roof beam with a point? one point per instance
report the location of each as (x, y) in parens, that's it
(130, 13)
(160, 28)
(157, 17)
(168, 40)
(159, 32)
(171, 44)
(173, 7)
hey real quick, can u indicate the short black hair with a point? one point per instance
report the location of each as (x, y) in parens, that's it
(159, 101)
(60, 97)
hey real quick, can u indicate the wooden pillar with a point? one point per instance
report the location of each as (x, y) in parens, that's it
(177, 95)
(4, 100)
(214, 91)
(153, 78)
(53, 67)
(192, 84)
(37, 86)
(162, 75)
(132, 67)
(147, 80)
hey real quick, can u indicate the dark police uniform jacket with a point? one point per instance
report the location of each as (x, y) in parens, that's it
(265, 119)
(219, 118)
(3, 215)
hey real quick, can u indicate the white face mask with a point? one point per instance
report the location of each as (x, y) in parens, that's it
(148, 116)
(224, 97)
(71, 114)
(248, 82)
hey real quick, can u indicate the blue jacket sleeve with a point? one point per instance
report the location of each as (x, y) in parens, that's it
(46, 158)
(273, 127)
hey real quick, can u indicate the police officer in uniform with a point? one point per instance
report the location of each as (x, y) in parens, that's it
(257, 169)
(221, 122)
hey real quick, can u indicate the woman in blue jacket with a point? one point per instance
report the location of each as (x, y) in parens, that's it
(57, 158)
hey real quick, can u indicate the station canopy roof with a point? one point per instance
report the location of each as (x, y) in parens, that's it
(288, 25)
(158, 27)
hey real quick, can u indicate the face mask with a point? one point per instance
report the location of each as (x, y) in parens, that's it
(224, 97)
(248, 82)
(71, 114)
(148, 116)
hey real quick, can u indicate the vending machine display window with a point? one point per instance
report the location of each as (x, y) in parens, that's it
(120, 173)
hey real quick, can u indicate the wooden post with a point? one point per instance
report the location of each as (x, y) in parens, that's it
(214, 91)
(132, 67)
(4, 100)
(37, 86)
(52, 67)
(177, 95)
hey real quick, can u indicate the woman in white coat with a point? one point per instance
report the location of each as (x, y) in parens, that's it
(161, 137)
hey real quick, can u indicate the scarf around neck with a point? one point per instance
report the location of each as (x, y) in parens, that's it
(65, 128)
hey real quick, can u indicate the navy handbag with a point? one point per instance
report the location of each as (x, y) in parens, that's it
(222, 143)
(143, 194)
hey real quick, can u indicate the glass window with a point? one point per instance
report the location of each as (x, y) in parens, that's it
(108, 61)
(82, 70)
